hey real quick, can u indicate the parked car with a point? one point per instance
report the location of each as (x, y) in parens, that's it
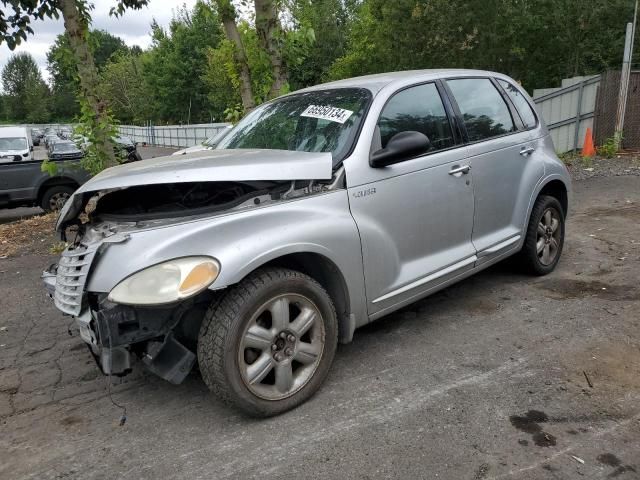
(65, 150)
(209, 144)
(321, 211)
(15, 144)
(129, 148)
(65, 133)
(23, 183)
(49, 140)
(36, 136)
(124, 145)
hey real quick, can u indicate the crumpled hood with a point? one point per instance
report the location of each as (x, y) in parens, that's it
(214, 166)
(207, 166)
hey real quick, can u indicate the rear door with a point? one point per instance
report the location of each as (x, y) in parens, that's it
(415, 217)
(500, 154)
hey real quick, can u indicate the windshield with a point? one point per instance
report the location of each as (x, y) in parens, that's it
(13, 143)
(213, 141)
(316, 121)
(64, 147)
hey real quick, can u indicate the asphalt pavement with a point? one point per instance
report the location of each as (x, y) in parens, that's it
(502, 376)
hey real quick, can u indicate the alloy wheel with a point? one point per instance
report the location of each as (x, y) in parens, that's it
(548, 236)
(281, 346)
(57, 201)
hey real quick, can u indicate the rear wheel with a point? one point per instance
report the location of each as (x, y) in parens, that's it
(55, 197)
(268, 344)
(545, 236)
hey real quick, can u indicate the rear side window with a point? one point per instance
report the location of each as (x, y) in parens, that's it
(521, 103)
(419, 109)
(483, 109)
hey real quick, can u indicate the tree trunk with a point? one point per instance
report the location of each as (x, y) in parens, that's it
(76, 27)
(228, 16)
(269, 35)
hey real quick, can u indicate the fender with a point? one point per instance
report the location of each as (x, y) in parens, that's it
(244, 241)
(544, 181)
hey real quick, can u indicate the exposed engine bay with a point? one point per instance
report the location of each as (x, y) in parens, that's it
(179, 199)
(173, 201)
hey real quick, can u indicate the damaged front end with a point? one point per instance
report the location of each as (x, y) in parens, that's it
(136, 274)
(162, 336)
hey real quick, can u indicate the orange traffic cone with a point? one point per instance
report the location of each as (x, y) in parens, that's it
(588, 150)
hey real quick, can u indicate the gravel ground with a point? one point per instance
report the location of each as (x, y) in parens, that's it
(488, 379)
(604, 167)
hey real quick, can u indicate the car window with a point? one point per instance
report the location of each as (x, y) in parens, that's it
(521, 103)
(64, 147)
(419, 109)
(483, 109)
(313, 121)
(13, 143)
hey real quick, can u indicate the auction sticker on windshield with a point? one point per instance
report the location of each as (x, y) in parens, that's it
(324, 112)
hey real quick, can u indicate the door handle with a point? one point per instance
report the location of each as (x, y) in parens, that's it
(464, 169)
(527, 151)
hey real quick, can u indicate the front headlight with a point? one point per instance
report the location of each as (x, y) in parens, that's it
(167, 282)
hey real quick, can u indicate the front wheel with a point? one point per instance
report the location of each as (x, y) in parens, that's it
(268, 344)
(55, 197)
(545, 236)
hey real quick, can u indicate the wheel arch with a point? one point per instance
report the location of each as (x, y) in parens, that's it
(555, 185)
(323, 270)
(54, 182)
(556, 188)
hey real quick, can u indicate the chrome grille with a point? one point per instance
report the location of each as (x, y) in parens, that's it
(71, 277)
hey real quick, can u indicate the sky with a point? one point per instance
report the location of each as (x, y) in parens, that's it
(134, 28)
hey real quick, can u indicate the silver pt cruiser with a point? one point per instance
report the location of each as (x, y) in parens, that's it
(321, 211)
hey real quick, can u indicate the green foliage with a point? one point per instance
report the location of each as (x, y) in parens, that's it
(233, 114)
(569, 158)
(538, 42)
(62, 68)
(319, 37)
(189, 74)
(176, 63)
(610, 147)
(90, 126)
(27, 95)
(587, 162)
(123, 86)
(15, 24)
(221, 79)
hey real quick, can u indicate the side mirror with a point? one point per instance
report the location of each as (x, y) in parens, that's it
(402, 146)
(31, 148)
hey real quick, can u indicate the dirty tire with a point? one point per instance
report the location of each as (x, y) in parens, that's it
(224, 327)
(529, 255)
(54, 195)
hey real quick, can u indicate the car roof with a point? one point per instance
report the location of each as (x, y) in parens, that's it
(378, 81)
(68, 142)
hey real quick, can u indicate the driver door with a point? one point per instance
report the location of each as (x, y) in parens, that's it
(416, 218)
